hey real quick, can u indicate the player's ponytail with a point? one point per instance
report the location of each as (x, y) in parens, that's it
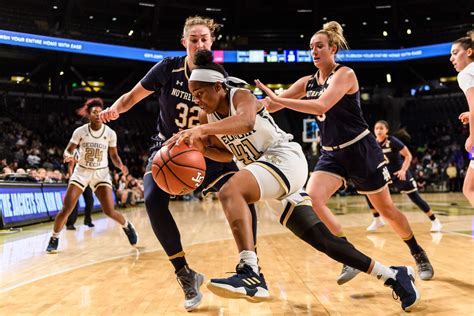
(203, 57)
(400, 133)
(333, 30)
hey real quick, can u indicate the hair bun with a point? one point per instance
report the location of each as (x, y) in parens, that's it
(333, 26)
(203, 57)
(471, 35)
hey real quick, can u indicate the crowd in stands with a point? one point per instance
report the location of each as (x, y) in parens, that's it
(34, 136)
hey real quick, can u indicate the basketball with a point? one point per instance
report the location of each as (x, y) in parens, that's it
(178, 169)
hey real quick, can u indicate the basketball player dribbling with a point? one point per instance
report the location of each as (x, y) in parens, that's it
(349, 150)
(95, 141)
(275, 168)
(462, 55)
(398, 157)
(169, 79)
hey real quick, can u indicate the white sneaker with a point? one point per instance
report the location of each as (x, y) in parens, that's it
(376, 223)
(436, 226)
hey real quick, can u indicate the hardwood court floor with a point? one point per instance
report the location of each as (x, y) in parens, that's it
(96, 272)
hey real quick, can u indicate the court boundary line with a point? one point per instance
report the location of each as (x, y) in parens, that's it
(109, 259)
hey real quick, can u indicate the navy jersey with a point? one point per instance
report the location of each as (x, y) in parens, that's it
(344, 121)
(169, 80)
(391, 147)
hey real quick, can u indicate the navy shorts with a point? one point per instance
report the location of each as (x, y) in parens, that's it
(407, 186)
(362, 162)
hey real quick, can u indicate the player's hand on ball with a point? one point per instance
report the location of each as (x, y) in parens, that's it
(109, 114)
(464, 117)
(189, 136)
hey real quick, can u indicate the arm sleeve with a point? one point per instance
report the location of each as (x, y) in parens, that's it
(76, 136)
(157, 76)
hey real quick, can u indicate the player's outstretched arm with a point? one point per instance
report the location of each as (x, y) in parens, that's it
(124, 103)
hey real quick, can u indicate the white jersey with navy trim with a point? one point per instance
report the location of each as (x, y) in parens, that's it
(466, 77)
(277, 163)
(94, 145)
(249, 147)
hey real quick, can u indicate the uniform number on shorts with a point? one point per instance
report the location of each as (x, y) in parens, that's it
(245, 152)
(92, 153)
(386, 174)
(187, 116)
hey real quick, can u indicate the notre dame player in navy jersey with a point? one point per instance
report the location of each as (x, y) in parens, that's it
(169, 80)
(399, 158)
(349, 150)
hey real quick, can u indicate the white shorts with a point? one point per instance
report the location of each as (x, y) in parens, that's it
(471, 164)
(281, 171)
(82, 177)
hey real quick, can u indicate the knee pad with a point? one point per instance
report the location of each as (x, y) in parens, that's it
(298, 214)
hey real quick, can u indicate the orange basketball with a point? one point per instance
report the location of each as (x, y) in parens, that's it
(178, 169)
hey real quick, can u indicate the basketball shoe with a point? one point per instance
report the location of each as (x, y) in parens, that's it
(244, 284)
(376, 224)
(190, 281)
(404, 287)
(436, 226)
(131, 234)
(423, 265)
(53, 245)
(347, 274)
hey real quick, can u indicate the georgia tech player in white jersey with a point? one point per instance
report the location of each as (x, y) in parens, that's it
(462, 57)
(234, 124)
(95, 141)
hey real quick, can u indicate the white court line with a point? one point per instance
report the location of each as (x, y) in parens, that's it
(104, 260)
(148, 251)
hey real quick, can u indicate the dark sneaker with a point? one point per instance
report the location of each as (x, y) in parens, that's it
(70, 227)
(244, 284)
(90, 224)
(423, 265)
(404, 287)
(53, 245)
(131, 234)
(190, 282)
(347, 274)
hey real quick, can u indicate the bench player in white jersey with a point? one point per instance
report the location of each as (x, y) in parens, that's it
(462, 57)
(233, 123)
(95, 141)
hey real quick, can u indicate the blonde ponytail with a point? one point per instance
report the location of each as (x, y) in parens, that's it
(333, 30)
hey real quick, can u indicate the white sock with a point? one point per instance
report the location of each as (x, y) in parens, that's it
(250, 258)
(55, 235)
(382, 272)
(126, 224)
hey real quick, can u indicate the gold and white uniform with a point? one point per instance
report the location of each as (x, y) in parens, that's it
(92, 166)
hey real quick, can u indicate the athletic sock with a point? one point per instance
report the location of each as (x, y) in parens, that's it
(250, 257)
(382, 272)
(412, 244)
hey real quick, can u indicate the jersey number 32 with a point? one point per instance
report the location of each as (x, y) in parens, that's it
(187, 116)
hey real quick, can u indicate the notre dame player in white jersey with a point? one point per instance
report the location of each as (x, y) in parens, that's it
(275, 168)
(95, 141)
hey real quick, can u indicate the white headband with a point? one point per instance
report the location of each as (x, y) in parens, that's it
(209, 75)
